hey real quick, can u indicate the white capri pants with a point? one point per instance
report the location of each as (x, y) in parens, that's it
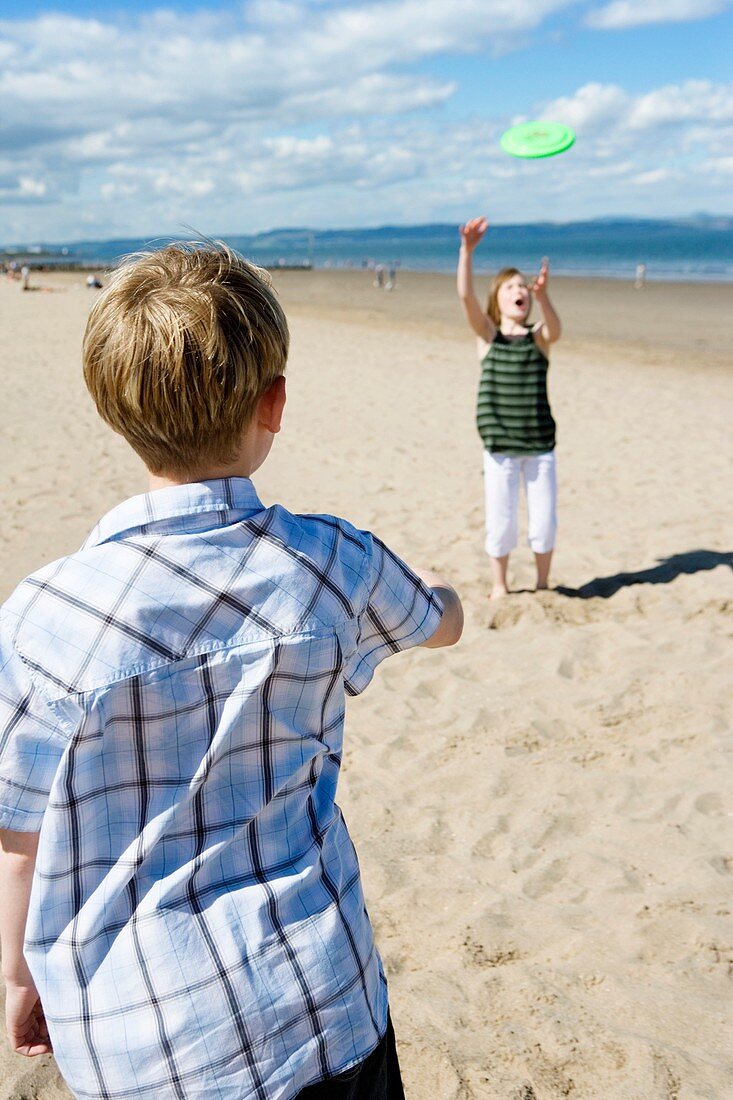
(502, 474)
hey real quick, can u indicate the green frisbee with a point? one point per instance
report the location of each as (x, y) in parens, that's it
(537, 139)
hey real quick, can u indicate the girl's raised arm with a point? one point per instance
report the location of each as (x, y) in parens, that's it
(551, 328)
(480, 322)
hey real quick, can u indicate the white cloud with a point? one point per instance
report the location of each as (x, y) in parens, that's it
(290, 111)
(605, 110)
(653, 177)
(192, 101)
(337, 57)
(31, 188)
(621, 14)
(70, 78)
(365, 158)
(118, 190)
(591, 107)
(651, 154)
(698, 100)
(720, 165)
(169, 183)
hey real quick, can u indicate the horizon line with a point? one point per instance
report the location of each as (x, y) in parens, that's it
(603, 219)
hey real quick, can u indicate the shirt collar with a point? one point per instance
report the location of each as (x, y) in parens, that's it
(167, 511)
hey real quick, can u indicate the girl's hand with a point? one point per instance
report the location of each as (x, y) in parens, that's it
(539, 286)
(472, 232)
(25, 1022)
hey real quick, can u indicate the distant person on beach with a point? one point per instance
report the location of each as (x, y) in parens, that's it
(172, 702)
(379, 276)
(93, 282)
(640, 279)
(25, 277)
(513, 413)
(392, 276)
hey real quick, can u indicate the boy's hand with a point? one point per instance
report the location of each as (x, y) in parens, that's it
(539, 286)
(472, 232)
(25, 1022)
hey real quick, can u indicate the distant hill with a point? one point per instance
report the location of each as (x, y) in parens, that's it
(593, 229)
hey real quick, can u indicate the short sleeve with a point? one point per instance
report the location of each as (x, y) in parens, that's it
(400, 612)
(31, 744)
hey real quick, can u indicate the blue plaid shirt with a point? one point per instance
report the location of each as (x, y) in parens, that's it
(171, 718)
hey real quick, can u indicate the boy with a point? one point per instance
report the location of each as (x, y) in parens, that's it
(171, 715)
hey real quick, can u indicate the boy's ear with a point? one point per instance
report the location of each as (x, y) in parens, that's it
(271, 406)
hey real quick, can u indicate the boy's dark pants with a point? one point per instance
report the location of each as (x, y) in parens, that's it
(376, 1078)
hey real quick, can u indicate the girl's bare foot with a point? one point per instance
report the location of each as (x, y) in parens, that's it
(499, 568)
(542, 588)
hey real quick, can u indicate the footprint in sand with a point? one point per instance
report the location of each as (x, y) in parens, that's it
(505, 613)
(710, 804)
(565, 668)
(437, 1075)
(665, 1077)
(484, 846)
(712, 607)
(493, 956)
(722, 864)
(540, 884)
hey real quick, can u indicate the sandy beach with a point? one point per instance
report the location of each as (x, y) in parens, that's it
(543, 813)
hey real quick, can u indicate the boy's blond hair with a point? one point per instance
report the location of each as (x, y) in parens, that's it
(179, 347)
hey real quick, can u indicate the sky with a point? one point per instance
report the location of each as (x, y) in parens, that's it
(238, 118)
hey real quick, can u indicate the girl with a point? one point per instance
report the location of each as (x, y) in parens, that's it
(513, 414)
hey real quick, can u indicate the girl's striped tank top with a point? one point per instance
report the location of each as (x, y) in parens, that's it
(512, 412)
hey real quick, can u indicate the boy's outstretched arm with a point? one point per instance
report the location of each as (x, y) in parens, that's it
(24, 1019)
(450, 627)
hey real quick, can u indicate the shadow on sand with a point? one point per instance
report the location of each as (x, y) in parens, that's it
(694, 561)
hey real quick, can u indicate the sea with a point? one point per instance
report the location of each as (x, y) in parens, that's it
(693, 249)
